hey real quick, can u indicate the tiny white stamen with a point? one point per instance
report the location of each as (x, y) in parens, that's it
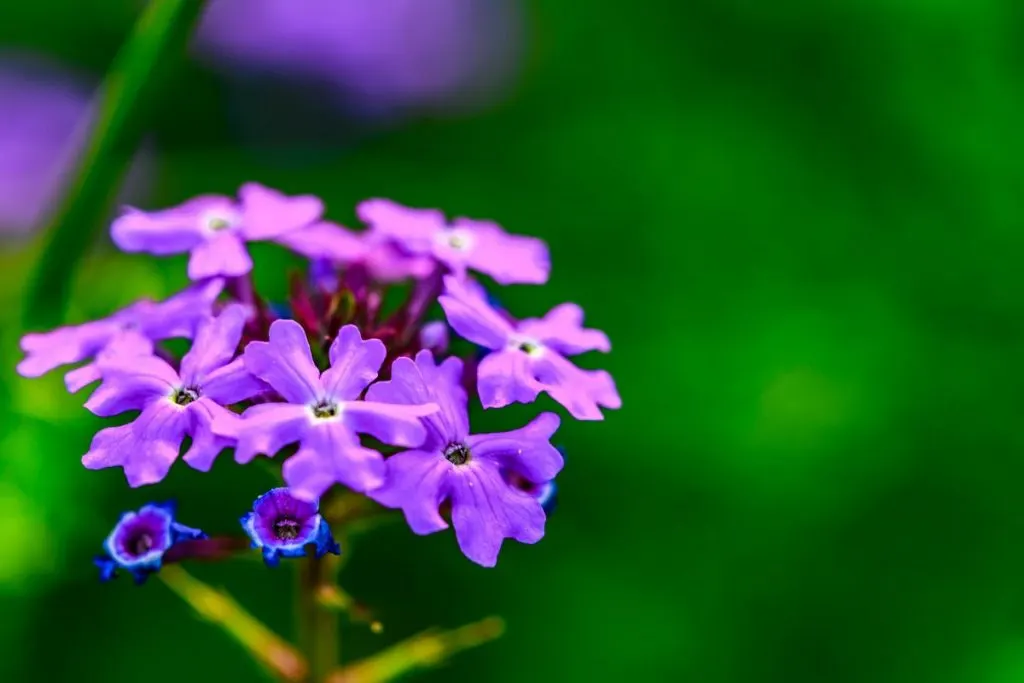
(215, 221)
(458, 239)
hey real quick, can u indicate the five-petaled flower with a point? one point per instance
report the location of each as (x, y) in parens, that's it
(321, 411)
(282, 525)
(130, 331)
(214, 229)
(312, 381)
(466, 470)
(138, 542)
(173, 404)
(528, 357)
(464, 245)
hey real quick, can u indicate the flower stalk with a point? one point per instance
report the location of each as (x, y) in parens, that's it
(425, 650)
(317, 626)
(132, 83)
(274, 654)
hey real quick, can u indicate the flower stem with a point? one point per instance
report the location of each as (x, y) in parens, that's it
(276, 655)
(425, 650)
(317, 625)
(126, 97)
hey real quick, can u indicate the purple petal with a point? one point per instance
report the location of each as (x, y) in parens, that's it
(486, 510)
(412, 229)
(331, 454)
(128, 343)
(387, 263)
(472, 317)
(526, 451)
(131, 383)
(215, 344)
(392, 424)
(48, 350)
(267, 213)
(416, 482)
(354, 364)
(170, 231)
(223, 254)
(233, 383)
(285, 362)
(582, 392)
(562, 329)
(420, 382)
(265, 428)
(327, 241)
(505, 377)
(485, 247)
(206, 445)
(145, 448)
(178, 315)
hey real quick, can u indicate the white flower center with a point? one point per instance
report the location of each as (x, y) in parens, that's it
(458, 239)
(215, 221)
(531, 347)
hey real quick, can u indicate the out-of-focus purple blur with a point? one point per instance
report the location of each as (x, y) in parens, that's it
(377, 57)
(45, 114)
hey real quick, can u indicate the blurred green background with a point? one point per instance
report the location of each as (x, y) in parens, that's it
(801, 225)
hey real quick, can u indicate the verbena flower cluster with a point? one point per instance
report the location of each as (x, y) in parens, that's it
(362, 392)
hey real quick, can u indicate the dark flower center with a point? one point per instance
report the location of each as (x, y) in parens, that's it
(325, 409)
(139, 545)
(528, 347)
(286, 528)
(456, 453)
(186, 395)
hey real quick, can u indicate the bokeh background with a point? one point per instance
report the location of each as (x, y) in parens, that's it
(800, 222)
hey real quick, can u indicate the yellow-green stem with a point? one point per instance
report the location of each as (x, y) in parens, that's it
(317, 626)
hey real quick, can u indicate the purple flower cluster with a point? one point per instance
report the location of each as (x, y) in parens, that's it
(374, 401)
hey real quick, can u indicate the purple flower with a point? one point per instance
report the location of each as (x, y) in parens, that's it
(321, 411)
(465, 244)
(130, 331)
(377, 55)
(528, 357)
(464, 469)
(138, 542)
(282, 526)
(45, 115)
(173, 404)
(214, 229)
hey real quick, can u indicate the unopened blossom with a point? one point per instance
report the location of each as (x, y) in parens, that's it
(321, 411)
(173, 404)
(130, 331)
(467, 470)
(214, 229)
(529, 356)
(139, 541)
(434, 336)
(462, 245)
(281, 525)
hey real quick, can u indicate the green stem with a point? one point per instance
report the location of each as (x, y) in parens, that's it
(126, 97)
(318, 626)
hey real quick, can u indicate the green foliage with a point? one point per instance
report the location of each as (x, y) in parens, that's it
(800, 224)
